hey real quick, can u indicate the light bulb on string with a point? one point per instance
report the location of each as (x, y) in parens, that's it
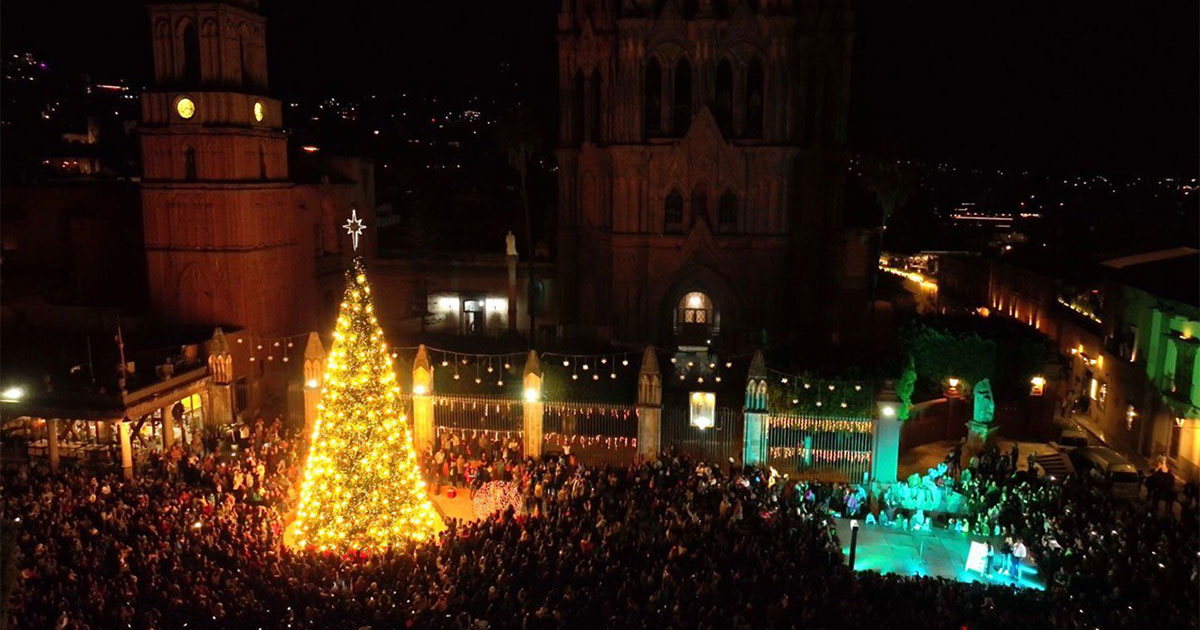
(595, 377)
(624, 361)
(585, 367)
(603, 360)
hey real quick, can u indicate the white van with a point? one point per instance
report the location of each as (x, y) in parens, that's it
(1120, 473)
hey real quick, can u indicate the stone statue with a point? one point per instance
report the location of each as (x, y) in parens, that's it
(510, 244)
(985, 405)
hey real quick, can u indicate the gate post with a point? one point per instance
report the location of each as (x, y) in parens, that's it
(123, 430)
(649, 407)
(885, 450)
(758, 422)
(220, 383)
(52, 442)
(532, 406)
(422, 401)
(314, 376)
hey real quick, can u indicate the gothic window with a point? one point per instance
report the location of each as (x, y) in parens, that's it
(683, 97)
(191, 54)
(244, 53)
(673, 212)
(652, 99)
(597, 112)
(724, 101)
(189, 164)
(700, 202)
(727, 211)
(754, 99)
(577, 106)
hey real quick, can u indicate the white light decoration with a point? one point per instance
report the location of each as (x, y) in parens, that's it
(419, 390)
(12, 394)
(354, 227)
(888, 411)
(531, 394)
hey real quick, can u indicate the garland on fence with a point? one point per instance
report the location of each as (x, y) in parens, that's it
(457, 403)
(560, 440)
(622, 412)
(831, 425)
(496, 433)
(821, 455)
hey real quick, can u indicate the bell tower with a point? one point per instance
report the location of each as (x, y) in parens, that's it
(221, 228)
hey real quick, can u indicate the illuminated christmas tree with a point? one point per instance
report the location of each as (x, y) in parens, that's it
(362, 486)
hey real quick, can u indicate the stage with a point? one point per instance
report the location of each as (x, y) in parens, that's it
(940, 553)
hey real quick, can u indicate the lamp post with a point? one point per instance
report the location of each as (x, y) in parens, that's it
(853, 541)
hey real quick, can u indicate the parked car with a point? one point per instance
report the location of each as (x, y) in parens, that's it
(1123, 478)
(1070, 439)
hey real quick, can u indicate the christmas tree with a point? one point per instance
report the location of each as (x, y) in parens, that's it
(362, 487)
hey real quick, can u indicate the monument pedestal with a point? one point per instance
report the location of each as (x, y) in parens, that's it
(980, 436)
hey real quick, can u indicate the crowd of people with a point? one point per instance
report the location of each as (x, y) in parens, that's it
(470, 458)
(667, 544)
(1121, 561)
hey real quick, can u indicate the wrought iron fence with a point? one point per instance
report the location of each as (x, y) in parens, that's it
(716, 444)
(826, 448)
(593, 432)
(478, 413)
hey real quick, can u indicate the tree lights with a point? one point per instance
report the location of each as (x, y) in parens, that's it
(362, 487)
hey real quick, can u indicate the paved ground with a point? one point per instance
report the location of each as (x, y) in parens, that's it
(922, 458)
(459, 507)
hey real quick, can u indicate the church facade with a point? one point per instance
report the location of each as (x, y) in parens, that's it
(701, 170)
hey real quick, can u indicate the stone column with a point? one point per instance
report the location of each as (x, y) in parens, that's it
(885, 447)
(422, 401)
(123, 429)
(168, 428)
(52, 442)
(756, 447)
(532, 408)
(649, 407)
(314, 380)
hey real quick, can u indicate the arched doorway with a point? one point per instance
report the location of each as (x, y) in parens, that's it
(696, 320)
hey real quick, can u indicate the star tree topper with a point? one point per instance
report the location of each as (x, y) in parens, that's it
(354, 227)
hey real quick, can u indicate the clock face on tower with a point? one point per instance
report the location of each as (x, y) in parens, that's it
(185, 108)
(258, 111)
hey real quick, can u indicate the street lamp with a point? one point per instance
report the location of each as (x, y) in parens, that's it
(853, 541)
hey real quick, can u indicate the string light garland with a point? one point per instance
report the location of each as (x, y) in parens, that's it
(362, 487)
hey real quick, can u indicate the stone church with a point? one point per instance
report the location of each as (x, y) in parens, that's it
(231, 238)
(702, 163)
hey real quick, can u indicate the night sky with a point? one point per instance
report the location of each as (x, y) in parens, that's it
(1059, 85)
